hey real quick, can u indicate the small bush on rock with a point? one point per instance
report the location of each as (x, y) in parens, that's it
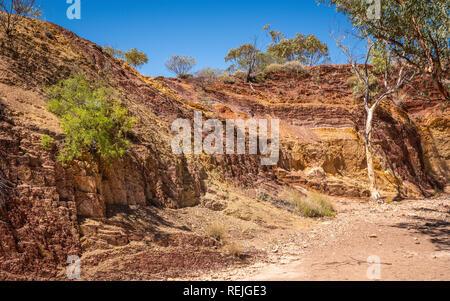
(289, 67)
(92, 119)
(47, 142)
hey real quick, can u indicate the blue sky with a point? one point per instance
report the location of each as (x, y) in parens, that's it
(204, 29)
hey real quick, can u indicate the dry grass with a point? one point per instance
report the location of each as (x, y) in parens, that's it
(217, 231)
(316, 206)
(234, 249)
(313, 205)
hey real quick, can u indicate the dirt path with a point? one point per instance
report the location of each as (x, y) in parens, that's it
(411, 240)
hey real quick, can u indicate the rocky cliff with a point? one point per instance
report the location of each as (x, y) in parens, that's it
(48, 211)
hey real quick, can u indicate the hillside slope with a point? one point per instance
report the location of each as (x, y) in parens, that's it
(118, 218)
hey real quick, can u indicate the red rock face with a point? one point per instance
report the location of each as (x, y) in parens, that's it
(37, 228)
(320, 100)
(321, 150)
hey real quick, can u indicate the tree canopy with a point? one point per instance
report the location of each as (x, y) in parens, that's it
(135, 57)
(247, 57)
(180, 65)
(416, 31)
(304, 49)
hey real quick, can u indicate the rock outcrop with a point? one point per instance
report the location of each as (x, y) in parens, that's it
(49, 211)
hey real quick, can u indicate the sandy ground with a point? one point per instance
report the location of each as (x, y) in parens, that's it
(411, 239)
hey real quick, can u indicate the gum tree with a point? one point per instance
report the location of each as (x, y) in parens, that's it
(395, 73)
(416, 31)
(304, 49)
(180, 65)
(247, 57)
(135, 57)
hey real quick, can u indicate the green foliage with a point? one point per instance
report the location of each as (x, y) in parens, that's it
(240, 74)
(416, 31)
(288, 67)
(93, 121)
(47, 142)
(135, 57)
(314, 51)
(180, 65)
(305, 49)
(275, 35)
(247, 58)
(359, 87)
(225, 78)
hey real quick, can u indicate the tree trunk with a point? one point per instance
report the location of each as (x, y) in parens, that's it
(249, 75)
(369, 157)
(437, 75)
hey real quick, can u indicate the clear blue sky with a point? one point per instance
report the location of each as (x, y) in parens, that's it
(204, 29)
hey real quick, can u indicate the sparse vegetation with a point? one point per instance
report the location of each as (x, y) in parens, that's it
(304, 49)
(312, 205)
(117, 53)
(358, 86)
(204, 99)
(12, 12)
(227, 79)
(209, 73)
(181, 65)
(135, 57)
(47, 142)
(415, 32)
(234, 249)
(92, 119)
(288, 67)
(247, 58)
(240, 74)
(315, 205)
(217, 231)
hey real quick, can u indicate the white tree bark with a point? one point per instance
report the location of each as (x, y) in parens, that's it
(369, 156)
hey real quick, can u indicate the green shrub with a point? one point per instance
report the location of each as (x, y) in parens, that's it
(240, 74)
(289, 67)
(135, 57)
(185, 76)
(47, 142)
(260, 77)
(225, 78)
(273, 68)
(117, 53)
(92, 119)
(359, 87)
